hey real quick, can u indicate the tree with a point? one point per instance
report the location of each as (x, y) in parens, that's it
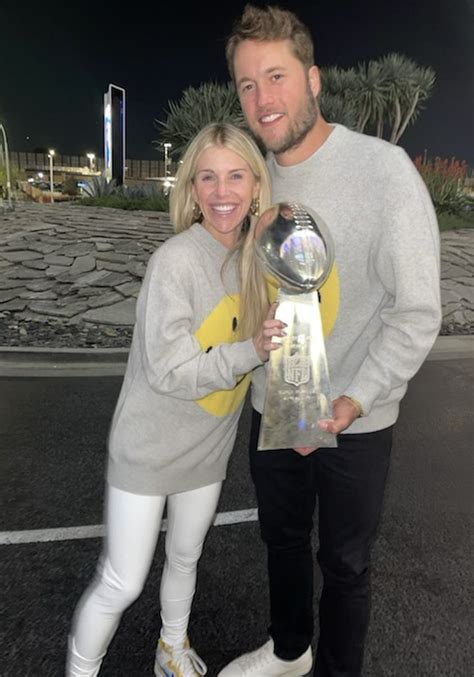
(407, 87)
(198, 106)
(336, 99)
(378, 97)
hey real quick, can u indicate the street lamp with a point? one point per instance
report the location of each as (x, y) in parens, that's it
(7, 166)
(51, 184)
(166, 146)
(91, 158)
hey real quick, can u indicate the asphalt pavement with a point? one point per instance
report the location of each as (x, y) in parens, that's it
(53, 440)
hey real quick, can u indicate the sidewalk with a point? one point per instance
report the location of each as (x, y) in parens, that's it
(66, 266)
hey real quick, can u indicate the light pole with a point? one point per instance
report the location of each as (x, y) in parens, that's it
(7, 167)
(51, 183)
(91, 158)
(166, 146)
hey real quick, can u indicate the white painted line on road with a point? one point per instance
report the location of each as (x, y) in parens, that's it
(98, 530)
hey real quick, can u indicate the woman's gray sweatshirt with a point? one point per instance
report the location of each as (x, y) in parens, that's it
(176, 417)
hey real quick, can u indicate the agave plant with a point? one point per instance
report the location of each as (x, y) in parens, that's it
(100, 187)
(198, 106)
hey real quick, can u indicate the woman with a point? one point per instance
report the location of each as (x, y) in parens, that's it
(200, 330)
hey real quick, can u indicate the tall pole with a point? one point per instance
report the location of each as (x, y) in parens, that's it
(7, 166)
(51, 183)
(166, 146)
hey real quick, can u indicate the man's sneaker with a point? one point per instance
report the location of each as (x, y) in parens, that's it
(264, 663)
(185, 662)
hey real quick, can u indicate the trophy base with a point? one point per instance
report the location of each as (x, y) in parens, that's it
(298, 391)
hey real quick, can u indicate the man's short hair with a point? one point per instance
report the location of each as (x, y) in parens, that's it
(269, 24)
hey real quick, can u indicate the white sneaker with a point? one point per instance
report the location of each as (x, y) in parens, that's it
(264, 663)
(171, 662)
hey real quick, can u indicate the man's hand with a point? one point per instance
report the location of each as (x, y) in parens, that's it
(345, 413)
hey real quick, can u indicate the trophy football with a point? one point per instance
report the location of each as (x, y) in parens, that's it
(297, 252)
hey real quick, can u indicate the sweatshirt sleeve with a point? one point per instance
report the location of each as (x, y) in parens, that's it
(408, 265)
(173, 360)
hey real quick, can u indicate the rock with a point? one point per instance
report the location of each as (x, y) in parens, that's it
(50, 308)
(14, 304)
(66, 300)
(63, 289)
(83, 264)
(106, 299)
(9, 284)
(54, 271)
(129, 247)
(90, 291)
(114, 257)
(136, 268)
(39, 295)
(9, 294)
(19, 256)
(91, 279)
(35, 265)
(129, 288)
(104, 246)
(43, 247)
(40, 285)
(21, 273)
(122, 313)
(115, 267)
(79, 249)
(58, 260)
(111, 279)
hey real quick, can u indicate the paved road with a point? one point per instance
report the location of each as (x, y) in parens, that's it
(53, 433)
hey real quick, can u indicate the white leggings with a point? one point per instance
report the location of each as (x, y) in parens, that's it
(133, 524)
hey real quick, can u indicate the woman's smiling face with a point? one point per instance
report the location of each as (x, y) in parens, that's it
(224, 187)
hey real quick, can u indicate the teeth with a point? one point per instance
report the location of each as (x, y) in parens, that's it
(224, 208)
(270, 118)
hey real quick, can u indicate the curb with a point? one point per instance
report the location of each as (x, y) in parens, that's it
(66, 362)
(46, 362)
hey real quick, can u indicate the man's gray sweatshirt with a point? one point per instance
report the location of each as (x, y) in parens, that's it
(380, 307)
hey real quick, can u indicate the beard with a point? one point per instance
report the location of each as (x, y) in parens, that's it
(303, 123)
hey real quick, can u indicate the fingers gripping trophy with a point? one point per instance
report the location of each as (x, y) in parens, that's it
(296, 249)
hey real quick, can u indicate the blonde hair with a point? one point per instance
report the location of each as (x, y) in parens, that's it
(254, 300)
(270, 24)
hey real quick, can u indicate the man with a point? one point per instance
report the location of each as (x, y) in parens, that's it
(381, 310)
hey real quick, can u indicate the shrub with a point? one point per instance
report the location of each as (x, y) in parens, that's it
(445, 180)
(70, 186)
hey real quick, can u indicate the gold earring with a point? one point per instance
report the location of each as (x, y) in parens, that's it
(255, 206)
(197, 213)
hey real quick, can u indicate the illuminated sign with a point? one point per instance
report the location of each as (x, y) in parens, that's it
(114, 134)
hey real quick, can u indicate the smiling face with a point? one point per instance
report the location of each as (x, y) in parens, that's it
(224, 187)
(277, 94)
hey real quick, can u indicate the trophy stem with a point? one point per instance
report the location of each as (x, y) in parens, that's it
(298, 391)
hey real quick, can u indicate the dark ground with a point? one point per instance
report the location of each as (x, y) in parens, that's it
(52, 436)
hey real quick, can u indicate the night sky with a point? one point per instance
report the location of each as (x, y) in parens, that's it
(57, 60)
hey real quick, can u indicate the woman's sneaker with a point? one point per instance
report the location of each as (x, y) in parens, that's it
(264, 663)
(171, 662)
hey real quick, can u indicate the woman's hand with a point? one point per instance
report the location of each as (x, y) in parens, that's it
(263, 340)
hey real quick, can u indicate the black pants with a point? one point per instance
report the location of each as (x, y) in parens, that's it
(349, 482)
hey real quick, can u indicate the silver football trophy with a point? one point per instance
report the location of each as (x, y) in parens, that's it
(297, 252)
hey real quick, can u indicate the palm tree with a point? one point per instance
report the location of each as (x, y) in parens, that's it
(370, 96)
(408, 87)
(198, 106)
(336, 99)
(384, 94)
